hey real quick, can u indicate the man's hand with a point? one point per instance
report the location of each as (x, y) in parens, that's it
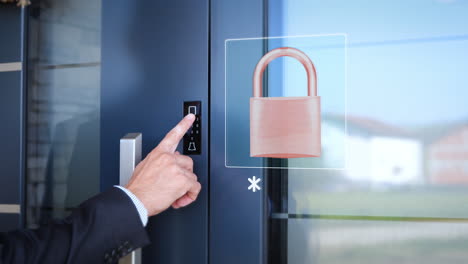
(166, 177)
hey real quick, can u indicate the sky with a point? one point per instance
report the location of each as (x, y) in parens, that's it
(407, 61)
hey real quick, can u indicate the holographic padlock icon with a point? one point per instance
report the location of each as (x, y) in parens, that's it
(285, 127)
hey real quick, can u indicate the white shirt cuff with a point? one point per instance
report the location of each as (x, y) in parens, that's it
(138, 204)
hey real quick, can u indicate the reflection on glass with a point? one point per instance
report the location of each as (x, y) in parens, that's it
(407, 137)
(63, 107)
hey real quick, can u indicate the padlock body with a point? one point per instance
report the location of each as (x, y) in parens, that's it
(285, 127)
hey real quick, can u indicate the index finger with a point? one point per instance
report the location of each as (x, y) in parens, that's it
(171, 140)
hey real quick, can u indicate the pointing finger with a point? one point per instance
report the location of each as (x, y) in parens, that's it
(171, 140)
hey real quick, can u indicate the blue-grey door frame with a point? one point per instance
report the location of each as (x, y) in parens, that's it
(155, 56)
(12, 115)
(236, 214)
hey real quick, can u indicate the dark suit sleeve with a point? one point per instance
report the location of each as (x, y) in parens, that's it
(101, 230)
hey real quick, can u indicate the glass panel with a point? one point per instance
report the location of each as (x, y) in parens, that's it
(404, 191)
(63, 107)
(358, 241)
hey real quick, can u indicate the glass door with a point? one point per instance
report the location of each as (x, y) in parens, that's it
(391, 180)
(403, 193)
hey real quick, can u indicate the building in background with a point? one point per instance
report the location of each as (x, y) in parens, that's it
(447, 156)
(380, 153)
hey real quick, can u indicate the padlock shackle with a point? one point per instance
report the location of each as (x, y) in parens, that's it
(280, 52)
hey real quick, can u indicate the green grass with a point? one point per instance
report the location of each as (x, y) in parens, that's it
(441, 204)
(414, 251)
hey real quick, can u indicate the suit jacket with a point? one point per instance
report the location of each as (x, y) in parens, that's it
(100, 230)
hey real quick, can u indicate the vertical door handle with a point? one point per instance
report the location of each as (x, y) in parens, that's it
(130, 156)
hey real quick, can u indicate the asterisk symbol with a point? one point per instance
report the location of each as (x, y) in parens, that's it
(254, 184)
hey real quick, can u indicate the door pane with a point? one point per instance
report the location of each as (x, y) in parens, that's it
(404, 191)
(63, 107)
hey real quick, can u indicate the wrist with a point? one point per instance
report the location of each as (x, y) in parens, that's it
(139, 205)
(145, 200)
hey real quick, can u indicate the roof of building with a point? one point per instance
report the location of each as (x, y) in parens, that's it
(433, 133)
(369, 126)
